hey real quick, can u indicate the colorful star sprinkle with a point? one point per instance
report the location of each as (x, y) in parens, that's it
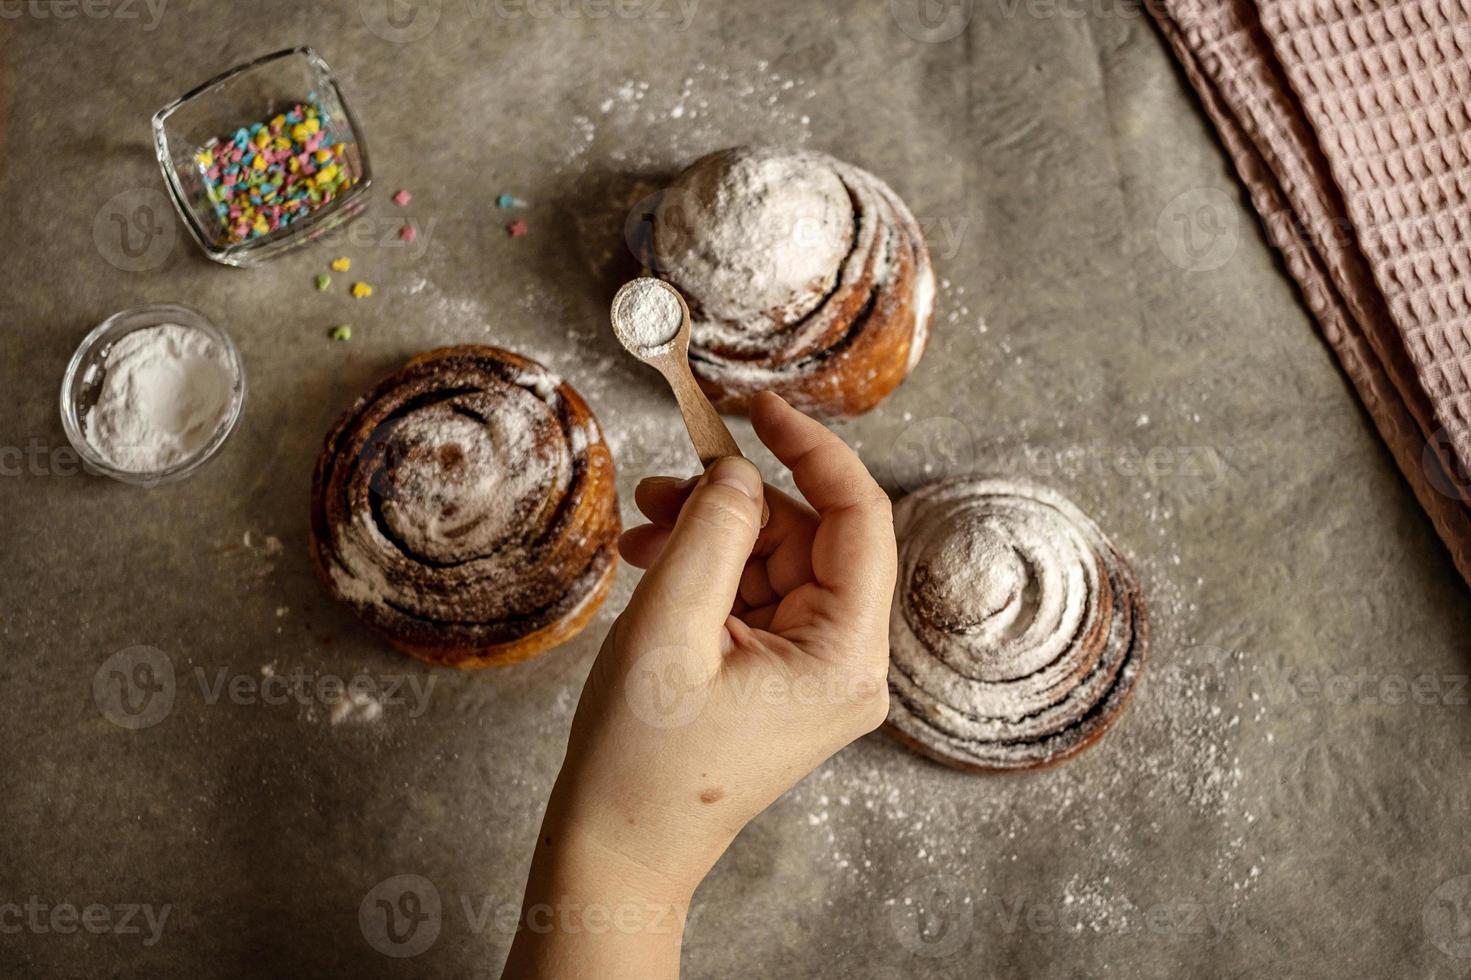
(361, 290)
(516, 229)
(342, 264)
(340, 332)
(408, 233)
(323, 282)
(268, 175)
(402, 198)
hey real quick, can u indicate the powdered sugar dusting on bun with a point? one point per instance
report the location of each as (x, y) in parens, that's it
(803, 274)
(466, 507)
(1017, 629)
(758, 241)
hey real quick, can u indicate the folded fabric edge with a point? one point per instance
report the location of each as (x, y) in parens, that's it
(1428, 474)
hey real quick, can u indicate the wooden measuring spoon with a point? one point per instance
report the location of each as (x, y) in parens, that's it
(656, 340)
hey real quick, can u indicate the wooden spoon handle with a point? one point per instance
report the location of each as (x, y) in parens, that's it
(707, 429)
(711, 438)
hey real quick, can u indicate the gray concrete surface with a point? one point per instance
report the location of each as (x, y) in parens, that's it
(1111, 322)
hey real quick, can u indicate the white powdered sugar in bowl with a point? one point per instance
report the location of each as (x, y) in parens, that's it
(152, 393)
(166, 391)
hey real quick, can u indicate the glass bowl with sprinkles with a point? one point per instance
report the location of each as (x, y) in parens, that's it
(263, 158)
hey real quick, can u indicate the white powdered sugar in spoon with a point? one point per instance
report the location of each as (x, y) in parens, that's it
(648, 315)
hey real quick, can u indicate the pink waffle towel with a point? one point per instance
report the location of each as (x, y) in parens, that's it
(1349, 121)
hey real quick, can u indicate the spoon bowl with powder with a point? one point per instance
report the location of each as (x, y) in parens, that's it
(151, 394)
(652, 322)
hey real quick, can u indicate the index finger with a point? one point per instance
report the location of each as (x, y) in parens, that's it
(853, 552)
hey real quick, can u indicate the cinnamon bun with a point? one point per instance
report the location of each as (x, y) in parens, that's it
(1017, 632)
(466, 508)
(804, 275)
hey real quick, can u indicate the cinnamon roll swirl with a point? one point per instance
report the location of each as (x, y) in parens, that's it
(804, 274)
(466, 508)
(1017, 632)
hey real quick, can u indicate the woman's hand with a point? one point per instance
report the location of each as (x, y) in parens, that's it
(746, 657)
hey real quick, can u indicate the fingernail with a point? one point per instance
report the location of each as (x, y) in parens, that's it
(741, 474)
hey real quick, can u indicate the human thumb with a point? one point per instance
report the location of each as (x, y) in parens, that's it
(686, 595)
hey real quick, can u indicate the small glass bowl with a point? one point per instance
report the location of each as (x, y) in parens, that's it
(82, 385)
(248, 94)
